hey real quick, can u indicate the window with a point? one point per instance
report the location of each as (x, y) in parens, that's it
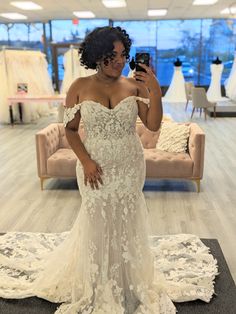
(196, 42)
(178, 38)
(66, 31)
(143, 35)
(218, 39)
(28, 35)
(3, 34)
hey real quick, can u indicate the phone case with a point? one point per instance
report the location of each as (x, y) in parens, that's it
(142, 57)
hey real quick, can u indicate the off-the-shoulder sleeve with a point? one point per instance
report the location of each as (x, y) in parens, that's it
(144, 100)
(69, 113)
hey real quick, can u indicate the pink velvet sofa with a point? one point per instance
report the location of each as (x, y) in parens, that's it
(55, 158)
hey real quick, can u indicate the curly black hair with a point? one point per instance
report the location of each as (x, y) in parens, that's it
(98, 45)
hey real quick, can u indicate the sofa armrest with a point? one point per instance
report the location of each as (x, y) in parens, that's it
(196, 148)
(47, 143)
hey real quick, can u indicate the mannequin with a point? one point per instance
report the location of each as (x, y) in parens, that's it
(217, 61)
(230, 83)
(177, 63)
(176, 90)
(214, 90)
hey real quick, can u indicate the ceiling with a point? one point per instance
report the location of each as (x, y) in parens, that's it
(135, 10)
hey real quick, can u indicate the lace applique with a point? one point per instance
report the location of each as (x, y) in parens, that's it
(144, 100)
(69, 114)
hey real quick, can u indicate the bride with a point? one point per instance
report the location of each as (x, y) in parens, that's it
(107, 264)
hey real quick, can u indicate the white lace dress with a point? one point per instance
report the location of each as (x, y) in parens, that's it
(107, 264)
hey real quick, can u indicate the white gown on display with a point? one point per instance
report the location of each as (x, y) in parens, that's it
(176, 91)
(30, 67)
(230, 83)
(106, 264)
(214, 90)
(72, 70)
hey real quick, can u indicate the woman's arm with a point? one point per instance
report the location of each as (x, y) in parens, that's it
(92, 171)
(71, 129)
(148, 87)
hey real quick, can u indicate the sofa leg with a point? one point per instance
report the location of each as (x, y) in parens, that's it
(198, 185)
(41, 182)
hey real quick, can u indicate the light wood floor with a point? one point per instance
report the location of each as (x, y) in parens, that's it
(174, 206)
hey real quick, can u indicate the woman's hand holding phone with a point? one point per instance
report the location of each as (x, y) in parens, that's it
(148, 78)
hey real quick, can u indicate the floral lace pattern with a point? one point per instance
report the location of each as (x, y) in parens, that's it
(107, 264)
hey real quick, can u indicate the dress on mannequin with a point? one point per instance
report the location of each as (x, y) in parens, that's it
(72, 70)
(230, 83)
(106, 264)
(176, 91)
(20, 66)
(214, 90)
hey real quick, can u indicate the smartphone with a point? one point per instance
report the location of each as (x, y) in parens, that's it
(141, 57)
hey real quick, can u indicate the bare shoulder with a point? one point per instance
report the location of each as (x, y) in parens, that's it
(142, 90)
(76, 87)
(80, 82)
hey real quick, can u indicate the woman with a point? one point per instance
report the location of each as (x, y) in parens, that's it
(104, 265)
(111, 171)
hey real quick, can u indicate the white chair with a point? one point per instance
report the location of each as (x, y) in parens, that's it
(199, 100)
(188, 90)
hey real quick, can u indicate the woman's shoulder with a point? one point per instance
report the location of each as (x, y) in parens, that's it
(80, 81)
(140, 87)
(133, 81)
(75, 89)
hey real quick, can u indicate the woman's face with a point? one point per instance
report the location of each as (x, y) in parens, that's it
(115, 66)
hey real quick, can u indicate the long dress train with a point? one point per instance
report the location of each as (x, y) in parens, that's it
(107, 264)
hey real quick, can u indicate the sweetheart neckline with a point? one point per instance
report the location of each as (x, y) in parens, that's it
(105, 107)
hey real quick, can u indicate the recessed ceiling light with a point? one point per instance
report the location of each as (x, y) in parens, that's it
(84, 14)
(114, 3)
(204, 2)
(231, 10)
(14, 16)
(159, 12)
(26, 5)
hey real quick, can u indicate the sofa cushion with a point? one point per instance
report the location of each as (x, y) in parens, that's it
(173, 137)
(62, 163)
(161, 164)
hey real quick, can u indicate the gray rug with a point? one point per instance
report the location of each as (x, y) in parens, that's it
(223, 303)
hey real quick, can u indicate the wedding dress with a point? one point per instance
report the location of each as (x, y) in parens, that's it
(214, 90)
(107, 264)
(20, 66)
(176, 91)
(230, 83)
